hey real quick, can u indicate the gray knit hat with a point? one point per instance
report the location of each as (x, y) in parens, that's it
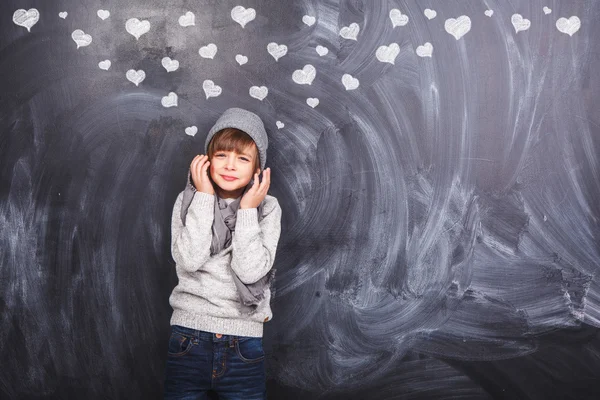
(246, 121)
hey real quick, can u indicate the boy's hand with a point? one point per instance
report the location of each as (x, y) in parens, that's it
(199, 168)
(257, 192)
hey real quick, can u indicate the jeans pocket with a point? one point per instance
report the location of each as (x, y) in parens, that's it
(250, 350)
(179, 343)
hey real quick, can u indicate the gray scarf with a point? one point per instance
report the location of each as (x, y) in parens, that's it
(223, 226)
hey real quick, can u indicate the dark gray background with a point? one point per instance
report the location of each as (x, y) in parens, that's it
(440, 223)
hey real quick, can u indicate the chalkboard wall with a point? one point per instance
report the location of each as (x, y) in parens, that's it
(436, 163)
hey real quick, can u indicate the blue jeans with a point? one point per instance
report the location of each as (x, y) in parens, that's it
(199, 361)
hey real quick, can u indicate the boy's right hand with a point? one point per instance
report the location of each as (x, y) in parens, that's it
(199, 169)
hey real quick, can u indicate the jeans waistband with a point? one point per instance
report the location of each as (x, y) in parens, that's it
(206, 336)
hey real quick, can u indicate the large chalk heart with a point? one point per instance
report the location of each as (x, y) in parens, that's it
(305, 75)
(520, 23)
(188, 19)
(458, 27)
(388, 53)
(136, 27)
(103, 14)
(242, 15)
(169, 65)
(425, 51)
(398, 19)
(277, 50)
(350, 32)
(26, 18)
(135, 77)
(259, 92)
(210, 89)
(208, 51)
(349, 82)
(312, 101)
(568, 26)
(81, 38)
(170, 100)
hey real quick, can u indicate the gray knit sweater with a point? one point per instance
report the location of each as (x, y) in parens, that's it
(206, 297)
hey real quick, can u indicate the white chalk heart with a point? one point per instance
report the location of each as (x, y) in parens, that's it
(170, 100)
(243, 15)
(350, 32)
(63, 14)
(105, 65)
(398, 19)
(547, 10)
(135, 77)
(241, 59)
(187, 19)
(322, 50)
(103, 14)
(488, 13)
(277, 50)
(81, 38)
(429, 13)
(349, 82)
(279, 124)
(458, 27)
(208, 51)
(191, 130)
(312, 101)
(309, 20)
(568, 26)
(259, 92)
(210, 89)
(169, 65)
(388, 53)
(136, 27)
(305, 75)
(425, 51)
(26, 18)
(520, 23)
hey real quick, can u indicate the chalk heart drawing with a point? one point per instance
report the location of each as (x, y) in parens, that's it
(242, 15)
(312, 101)
(241, 59)
(309, 20)
(279, 124)
(81, 38)
(568, 26)
(547, 10)
(488, 13)
(191, 130)
(103, 14)
(350, 82)
(304, 76)
(105, 65)
(210, 89)
(136, 27)
(350, 31)
(26, 18)
(458, 27)
(208, 51)
(388, 53)
(321, 50)
(398, 19)
(520, 23)
(429, 13)
(170, 65)
(135, 77)
(277, 50)
(259, 92)
(170, 100)
(425, 50)
(187, 19)
(63, 14)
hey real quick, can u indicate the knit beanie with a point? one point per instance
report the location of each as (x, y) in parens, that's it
(246, 121)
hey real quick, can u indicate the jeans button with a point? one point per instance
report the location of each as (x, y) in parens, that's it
(218, 335)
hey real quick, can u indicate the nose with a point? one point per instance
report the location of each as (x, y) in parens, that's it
(231, 162)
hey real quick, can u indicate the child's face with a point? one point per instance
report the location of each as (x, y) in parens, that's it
(239, 166)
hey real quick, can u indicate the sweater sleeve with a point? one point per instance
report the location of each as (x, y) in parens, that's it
(253, 244)
(190, 244)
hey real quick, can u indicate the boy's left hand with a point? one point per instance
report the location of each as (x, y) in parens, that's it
(257, 192)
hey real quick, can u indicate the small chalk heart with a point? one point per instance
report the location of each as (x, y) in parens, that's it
(458, 27)
(170, 100)
(309, 20)
(26, 18)
(547, 10)
(63, 14)
(305, 75)
(429, 13)
(136, 27)
(191, 130)
(349, 82)
(520, 23)
(243, 15)
(398, 19)
(568, 26)
(350, 32)
(388, 53)
(259, 92)
(208, 51)
(241, 59)
(321, 50)
(312, 101)
(210, 89)
(135, 77)
(103, 14)
(170, 65)
(425, 51)
(188, 19)
(488, 13)
(277, 50)
(279, 124)
(105, 65)
(81, 38)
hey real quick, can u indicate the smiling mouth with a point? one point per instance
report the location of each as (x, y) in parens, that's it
(228, 178)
